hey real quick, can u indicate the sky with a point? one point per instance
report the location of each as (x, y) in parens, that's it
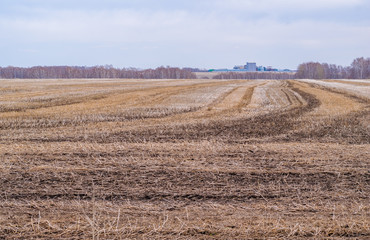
(183, 33)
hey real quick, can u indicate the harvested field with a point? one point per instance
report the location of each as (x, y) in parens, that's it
(358, 88)
(184, 159)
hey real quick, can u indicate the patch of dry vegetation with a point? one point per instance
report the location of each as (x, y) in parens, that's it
(184, 159)
(357, 88)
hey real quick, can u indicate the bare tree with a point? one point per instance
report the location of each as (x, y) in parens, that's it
(94, 72)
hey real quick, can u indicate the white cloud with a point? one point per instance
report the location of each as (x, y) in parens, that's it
(222, 28)
(106, 26)
(124, 26)
(267, 5)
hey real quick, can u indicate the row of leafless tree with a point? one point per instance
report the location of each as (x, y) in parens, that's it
(95, 72)
(359, 69)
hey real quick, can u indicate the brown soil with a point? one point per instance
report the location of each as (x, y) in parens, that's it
(183, 160)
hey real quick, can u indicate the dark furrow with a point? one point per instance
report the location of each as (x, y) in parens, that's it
(180, 185)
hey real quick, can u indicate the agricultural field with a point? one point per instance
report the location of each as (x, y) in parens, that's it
(184, 159)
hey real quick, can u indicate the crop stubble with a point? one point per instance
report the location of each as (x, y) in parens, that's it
(183, 159)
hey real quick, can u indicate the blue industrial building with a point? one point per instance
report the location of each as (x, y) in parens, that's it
(251, 67)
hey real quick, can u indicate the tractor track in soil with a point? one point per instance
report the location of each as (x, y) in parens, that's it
(196, 160)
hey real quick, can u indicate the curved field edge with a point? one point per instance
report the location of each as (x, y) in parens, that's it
(254, 159)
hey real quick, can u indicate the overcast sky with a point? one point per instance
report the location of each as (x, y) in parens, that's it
(183, 33)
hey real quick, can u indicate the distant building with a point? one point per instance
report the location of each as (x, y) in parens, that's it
(251, 67)
(238, 67)
(271, 69)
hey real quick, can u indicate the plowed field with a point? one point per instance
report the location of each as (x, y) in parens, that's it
(184, 159)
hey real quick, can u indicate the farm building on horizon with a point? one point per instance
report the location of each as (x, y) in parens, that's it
(251, 67)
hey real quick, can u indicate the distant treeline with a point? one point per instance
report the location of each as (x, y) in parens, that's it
(359, 69)
(255, 75)
(95, 72)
